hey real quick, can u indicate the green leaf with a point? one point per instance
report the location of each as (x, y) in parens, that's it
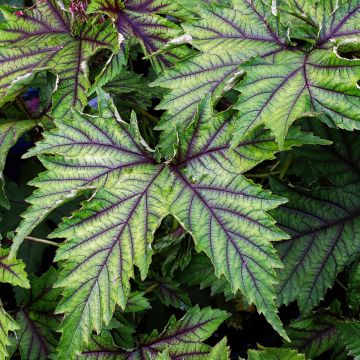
(12, 270)
(131, 91)
(44, 38)
(299, 84)
(201, 273)
(7, 324)
(134, 194)
(36, 318)
(180, 339)
(314, 334)
(338, 163)
(147, 23)
(323, 225)
(283, 81)
(221, 351)
(10, 132)
(353, 289)
(170, 293)
(350, 334)
(275, 354)
(137, 302)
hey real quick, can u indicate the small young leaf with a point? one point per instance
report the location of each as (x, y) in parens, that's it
(170, 294)
(145, 21)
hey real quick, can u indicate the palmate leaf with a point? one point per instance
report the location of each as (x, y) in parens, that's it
(300, 82)
(324, 227)
(7, 324)
(203, 188)
(36, 318)
(43, 38)
(10, 132)
(182, 339)
(145, 21)
(350, 333)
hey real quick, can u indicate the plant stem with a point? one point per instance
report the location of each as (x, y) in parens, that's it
(42, 241)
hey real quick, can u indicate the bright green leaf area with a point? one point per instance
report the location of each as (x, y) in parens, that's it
(282, 81)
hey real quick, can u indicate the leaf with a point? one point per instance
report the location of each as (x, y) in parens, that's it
(131, 91)
(350, 333)
(182, 339)
(7, 325)
(275, 354)
(353, 292)
(175, 249)
(314, 334)
(170, 293)
(220, 351)
(10, 132)
(12, 270)
(36, 318)
(43, 38)
(301, 81)
(338, 163)
(134, 193)
(322, 225)
(201, 273)
(299, 84)
(137, 302)
(147, 23)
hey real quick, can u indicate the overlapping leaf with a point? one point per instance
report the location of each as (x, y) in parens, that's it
(324, 227)
(350, 333)
(353, 293)
(204, 188)
(182, 339)
(315, 334)
(338, 164)
(36, 318)
(10, 132)
(7, 324)
(12, 270)
(283, 83)
(220, 351)
(275, 354)
(43, 38)
(146, 22)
